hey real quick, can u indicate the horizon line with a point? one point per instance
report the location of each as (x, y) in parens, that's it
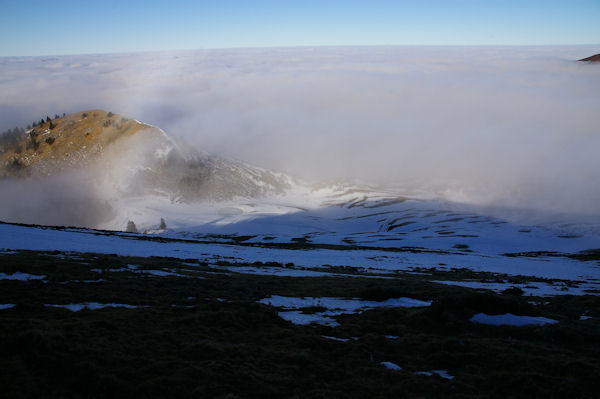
(295, 47)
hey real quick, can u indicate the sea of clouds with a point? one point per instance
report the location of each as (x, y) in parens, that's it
(508, 128)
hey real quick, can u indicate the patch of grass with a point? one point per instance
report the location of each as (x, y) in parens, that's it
(313, 309)
(513, 291)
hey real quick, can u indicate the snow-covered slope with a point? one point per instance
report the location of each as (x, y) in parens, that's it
(353, 215)
(375, 230)
(372, 228)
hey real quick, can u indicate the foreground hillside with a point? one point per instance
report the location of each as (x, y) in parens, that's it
(195, 314)
(80, 324)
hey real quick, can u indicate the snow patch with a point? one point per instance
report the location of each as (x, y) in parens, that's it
(136, 269)
(160, 273)
(339, 305)
(391, 366)
(277, 271)
(98, 280)
(21, 276)
(302, 319)
(442, 373)
(529, 288)
(290, 272)
(334, 306)
(76, 307)
(510, 320)
(336, 338)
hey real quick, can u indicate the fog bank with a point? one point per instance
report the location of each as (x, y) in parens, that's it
(504, 127)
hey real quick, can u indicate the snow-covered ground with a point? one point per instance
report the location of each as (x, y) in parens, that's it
(375, 231)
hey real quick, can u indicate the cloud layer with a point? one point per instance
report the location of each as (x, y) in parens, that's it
(510, 127)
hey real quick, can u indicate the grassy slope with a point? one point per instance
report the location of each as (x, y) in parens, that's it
(84, 134)
(219, 342)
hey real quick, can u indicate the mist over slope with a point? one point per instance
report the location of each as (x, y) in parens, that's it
(513, 129)
(82, 169)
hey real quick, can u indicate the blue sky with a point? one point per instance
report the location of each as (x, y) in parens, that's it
(79, 27)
